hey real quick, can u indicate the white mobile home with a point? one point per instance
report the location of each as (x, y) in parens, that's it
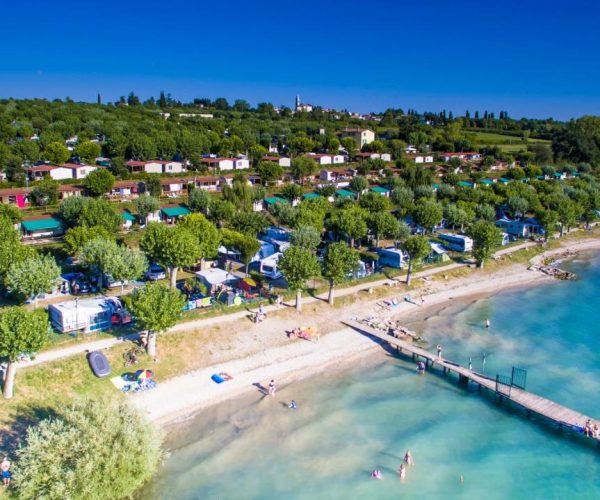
(88, 315)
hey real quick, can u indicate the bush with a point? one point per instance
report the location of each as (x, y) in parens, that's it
(95, 449)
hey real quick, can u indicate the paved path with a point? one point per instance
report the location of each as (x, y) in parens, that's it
(72, 350)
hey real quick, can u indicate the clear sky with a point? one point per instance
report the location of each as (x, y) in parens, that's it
(528, 57)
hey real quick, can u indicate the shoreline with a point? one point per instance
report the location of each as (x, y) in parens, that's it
(182, 397)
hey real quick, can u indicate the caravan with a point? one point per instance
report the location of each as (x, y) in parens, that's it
(268, 266)
(390, 257)
(88, 315)
(457, 242)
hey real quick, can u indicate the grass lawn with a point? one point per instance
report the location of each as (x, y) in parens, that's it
(508, 143)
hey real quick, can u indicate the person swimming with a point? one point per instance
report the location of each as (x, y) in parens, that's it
(376, 474)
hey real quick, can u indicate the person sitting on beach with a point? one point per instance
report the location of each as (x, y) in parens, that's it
(408, 459)
(293, 405)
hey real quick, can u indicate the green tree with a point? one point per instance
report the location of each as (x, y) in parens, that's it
(383, 225)
(10, 212)
(77, 237)
(298, 265)
(374, 202)
(99, 212)
(358, 184)
(145, 205)
(456, 216)
(70, 209)
(485, 211)
(302, 167)
(45, 192)
(199, 200)
(568, 212)
(88, 151)
(428, 214)
(101, 255)
(33, 276)
(349, 144)
(222, 212)
(11, 248)
(403, 198)
(21, 331)
(128, 265)
(518, 205)
(351, 222)
(207, 234)
(247, 245)
(292, 191)
(153, 186)
(486, 236)
(417, 248)
(250, 223)
(155, 308)
(548, 219)
(306, 237)
(172, 247)
(99, 182)
(269, 171)
(56, 153)
(96, 448)
(339, 261)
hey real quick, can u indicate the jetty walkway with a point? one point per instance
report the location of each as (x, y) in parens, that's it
(561, 415)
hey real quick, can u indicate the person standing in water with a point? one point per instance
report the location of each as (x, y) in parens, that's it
(487, 323)
(402, 471)
(408, 458)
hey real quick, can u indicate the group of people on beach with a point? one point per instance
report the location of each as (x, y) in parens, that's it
(407, 461)
(591, 430)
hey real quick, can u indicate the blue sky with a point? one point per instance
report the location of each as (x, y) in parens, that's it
(528, 57)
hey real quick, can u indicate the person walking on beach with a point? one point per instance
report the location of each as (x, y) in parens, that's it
(439, 352)
(272, 388)
(5, 468)
(408, 458)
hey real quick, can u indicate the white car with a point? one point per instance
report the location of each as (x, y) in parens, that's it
(155, 273)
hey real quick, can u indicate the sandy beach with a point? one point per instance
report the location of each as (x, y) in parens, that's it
(265, 352)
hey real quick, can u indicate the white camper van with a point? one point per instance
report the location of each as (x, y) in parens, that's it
(268, 266)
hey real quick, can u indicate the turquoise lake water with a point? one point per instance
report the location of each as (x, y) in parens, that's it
(367, 417)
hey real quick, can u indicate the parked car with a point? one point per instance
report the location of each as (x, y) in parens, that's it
(110, 282)
(156, 272)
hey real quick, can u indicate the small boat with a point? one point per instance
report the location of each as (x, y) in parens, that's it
(98, 364)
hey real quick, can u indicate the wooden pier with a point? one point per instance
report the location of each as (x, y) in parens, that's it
(561, 415)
